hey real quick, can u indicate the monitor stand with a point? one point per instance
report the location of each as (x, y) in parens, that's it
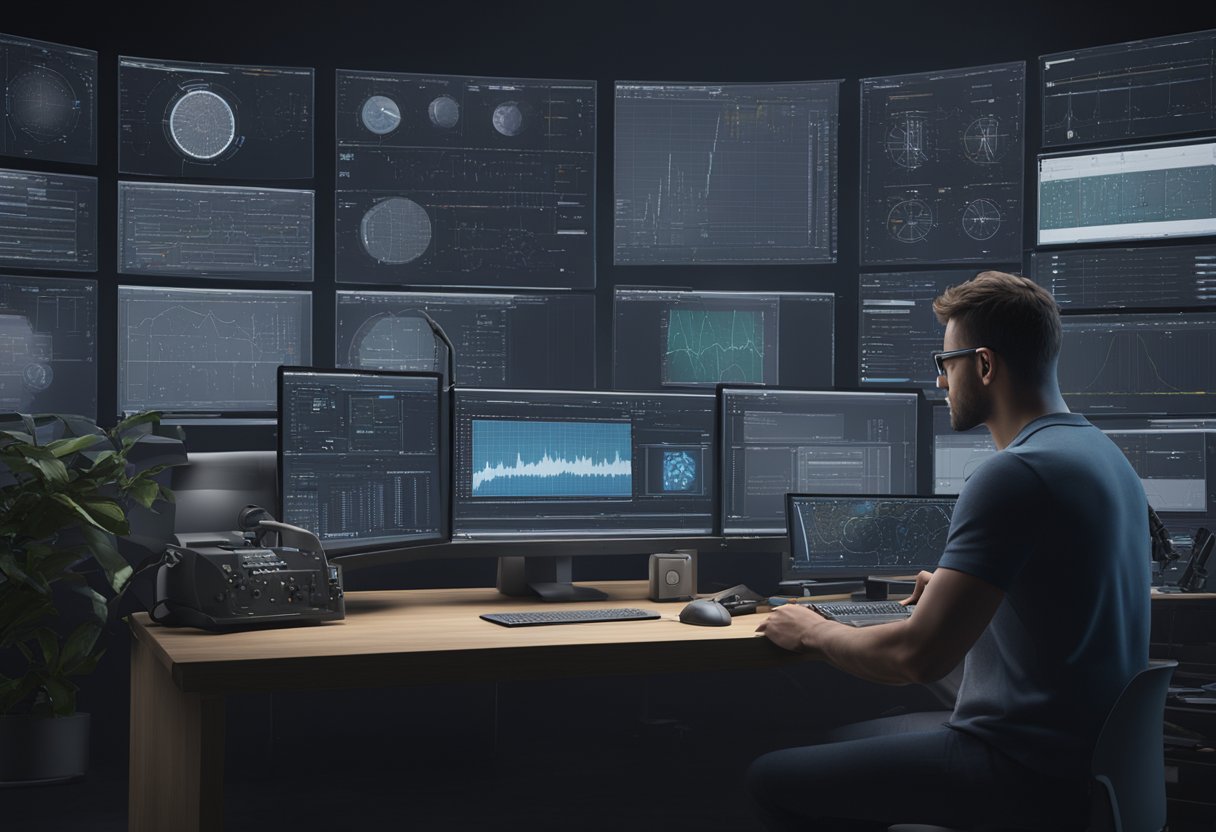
(548, 577)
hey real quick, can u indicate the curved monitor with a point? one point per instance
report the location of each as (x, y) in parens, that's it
(363, 457)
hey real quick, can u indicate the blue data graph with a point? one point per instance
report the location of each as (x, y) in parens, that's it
(516, 458)
(709, 347)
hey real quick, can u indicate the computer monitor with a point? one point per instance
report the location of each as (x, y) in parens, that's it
(1128, 193)
(208, 351)
(898, 331)
(363, 457)
(956, 454)
(665, 339)
(1176, 466)
(582, 464)
(1140, 277)
(1144, 364)
(775, 442)
(502, 339)
(838, 536)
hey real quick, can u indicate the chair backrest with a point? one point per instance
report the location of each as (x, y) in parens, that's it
(1129, 757)
(215, 486)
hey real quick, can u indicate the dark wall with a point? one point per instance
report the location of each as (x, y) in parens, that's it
(751, 41)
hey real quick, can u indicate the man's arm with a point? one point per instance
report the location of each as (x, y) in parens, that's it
(951, 614)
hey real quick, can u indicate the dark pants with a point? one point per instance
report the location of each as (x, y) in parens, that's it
(908, 769)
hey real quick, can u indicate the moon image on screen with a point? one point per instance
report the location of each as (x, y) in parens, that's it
(508, 118)
(444, 112)
(380, 114)
(202, 124)
(42, 105)
(395, 231)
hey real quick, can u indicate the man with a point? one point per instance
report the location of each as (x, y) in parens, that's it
(1042, 587)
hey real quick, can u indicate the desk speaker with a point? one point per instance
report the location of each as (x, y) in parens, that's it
(672, 577)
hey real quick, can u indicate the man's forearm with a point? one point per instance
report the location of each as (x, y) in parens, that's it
(881, 653)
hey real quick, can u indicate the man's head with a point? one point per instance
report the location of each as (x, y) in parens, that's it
(1016, 324)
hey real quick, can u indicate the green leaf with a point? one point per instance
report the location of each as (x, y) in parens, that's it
(48, 640)
(117, 570)
(13, 695)
(18, 436)
(65, 447)
(79, 645)
(69, 503)
(108, 515)
(52, 470)
(14, 572)
(147, 417)
(144, 491)
(62, 694)
(100, 608)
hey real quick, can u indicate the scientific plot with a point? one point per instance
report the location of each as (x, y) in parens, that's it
(1157, 87)
(213, 351)
(48, 345)
(49, 221)
(941, 166)
(725, 173)
(1142, 277)
(215, 231)
(214, 121)
(463, 181)
(50, 95)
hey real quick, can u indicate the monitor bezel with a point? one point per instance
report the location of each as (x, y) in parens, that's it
(444, 424)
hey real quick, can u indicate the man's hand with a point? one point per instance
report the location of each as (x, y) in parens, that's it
(793, 627)
(922, 581)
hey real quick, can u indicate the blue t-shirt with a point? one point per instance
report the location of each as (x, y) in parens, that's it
(1059, 521)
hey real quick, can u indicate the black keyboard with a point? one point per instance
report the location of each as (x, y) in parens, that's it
(536, 619)
(863, 612)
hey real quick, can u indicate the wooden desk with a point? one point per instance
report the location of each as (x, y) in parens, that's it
(179, 677)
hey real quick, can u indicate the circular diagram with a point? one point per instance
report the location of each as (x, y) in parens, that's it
(38, 376)
(403, 343)
(202, 124)
(981, 219)
(508, 118)
(983, 142)
(910, 221)
(444, 112)
(395, 231)
(380, 114)
(42, 105)
(906, 142)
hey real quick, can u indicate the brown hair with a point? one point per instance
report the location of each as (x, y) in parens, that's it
(1011, 315)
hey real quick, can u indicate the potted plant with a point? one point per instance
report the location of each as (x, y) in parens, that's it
(63, 502)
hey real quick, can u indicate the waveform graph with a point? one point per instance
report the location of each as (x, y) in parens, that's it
(714, 346)
(519, 458)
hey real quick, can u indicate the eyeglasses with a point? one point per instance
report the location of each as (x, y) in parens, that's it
(939, 358)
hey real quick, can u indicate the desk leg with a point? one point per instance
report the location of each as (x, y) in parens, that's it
(177, 752)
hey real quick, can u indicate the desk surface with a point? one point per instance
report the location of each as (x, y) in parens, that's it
(423, 636)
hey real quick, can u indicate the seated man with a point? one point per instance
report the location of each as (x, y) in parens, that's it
(1043, 587)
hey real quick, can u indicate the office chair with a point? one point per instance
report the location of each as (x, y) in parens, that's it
(1127, 793)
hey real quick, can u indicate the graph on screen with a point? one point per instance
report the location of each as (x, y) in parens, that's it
(215, 231)
(941, 168)
(1128, 193)
(50, 94)
(208, 350)
(725, 173)
(214, 121)
(48, 221)
(1142, 277)
(1155, 87)
(465, 181)
(1139, 363)
(551, 459)
(707, 347)
(48, 345)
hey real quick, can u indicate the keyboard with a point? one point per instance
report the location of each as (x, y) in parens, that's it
(863, 613)
(536, 619)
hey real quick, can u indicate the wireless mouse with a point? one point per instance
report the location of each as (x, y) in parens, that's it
(706, 612)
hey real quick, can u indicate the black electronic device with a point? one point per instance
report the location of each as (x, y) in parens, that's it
(705, 612)
(536, 619)
(1195, 576)
(229, 580)
(862, 613)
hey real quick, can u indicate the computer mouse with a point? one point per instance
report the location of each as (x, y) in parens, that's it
(706, 612)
